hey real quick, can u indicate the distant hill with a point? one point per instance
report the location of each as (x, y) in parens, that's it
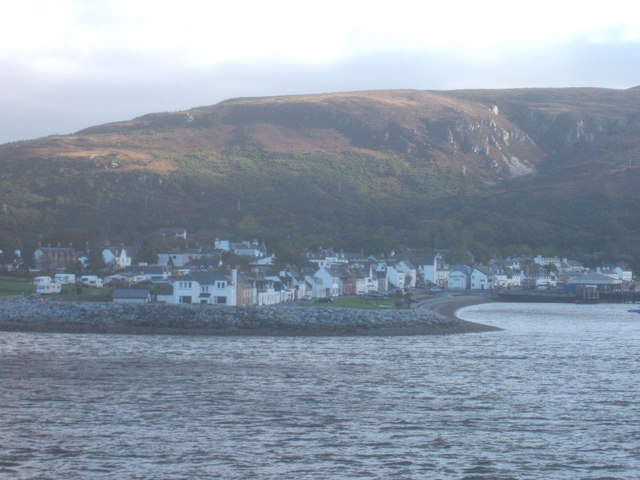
(492, 169)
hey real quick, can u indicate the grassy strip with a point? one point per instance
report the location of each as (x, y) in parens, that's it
(12, 288)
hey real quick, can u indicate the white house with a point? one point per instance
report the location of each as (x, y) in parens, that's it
(624, 274)
(205, 288)
(435, 271)
(429, 269)
(617, 272)
(459, 278)
(481, 279)
(171, 258)
(294, 283)
(117, 258)
(269, 292)
(313, 286)
(283, 287)
(366, 282)
(395, 277)
(442, 276)
(247, 248)
(327, 283)
(410, 273)
(500, 279)
(544, 261)
(223, 245)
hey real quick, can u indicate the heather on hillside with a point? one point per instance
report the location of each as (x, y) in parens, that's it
(491, 170)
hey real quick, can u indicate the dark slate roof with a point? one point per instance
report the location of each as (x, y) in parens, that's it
(409, 264)
(146, 269)
(483, 269)
(163, 290)
(594, 278)
(466, 269)
(131, 293)
(204, 278)
(205, 264)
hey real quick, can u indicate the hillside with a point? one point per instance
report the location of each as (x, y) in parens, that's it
(552, 168)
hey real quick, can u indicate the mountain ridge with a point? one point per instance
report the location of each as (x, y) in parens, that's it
(380, 155)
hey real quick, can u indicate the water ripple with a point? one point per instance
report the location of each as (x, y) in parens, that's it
(553, 396)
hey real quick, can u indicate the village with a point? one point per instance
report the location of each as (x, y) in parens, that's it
(204, 275)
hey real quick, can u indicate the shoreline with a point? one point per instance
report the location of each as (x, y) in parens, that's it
(433, 317)
(448, 306)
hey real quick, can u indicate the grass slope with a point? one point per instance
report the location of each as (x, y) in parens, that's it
(354, 170)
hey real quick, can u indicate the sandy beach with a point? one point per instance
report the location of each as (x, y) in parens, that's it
(448, 304)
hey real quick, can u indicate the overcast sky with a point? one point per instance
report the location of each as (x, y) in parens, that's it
(70, 64)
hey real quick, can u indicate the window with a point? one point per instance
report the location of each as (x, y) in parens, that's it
(221, 284)
(205, 288)
(221, 300)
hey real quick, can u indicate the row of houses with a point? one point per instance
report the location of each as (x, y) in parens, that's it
(236, 288)
(201, 276)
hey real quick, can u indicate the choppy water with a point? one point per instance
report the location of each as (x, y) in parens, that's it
(553, 396)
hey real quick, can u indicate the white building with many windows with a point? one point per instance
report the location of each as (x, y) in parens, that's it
(205, 288)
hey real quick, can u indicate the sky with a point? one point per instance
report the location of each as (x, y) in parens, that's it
(70, 64)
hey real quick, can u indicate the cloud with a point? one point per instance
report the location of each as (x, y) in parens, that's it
(95, 62)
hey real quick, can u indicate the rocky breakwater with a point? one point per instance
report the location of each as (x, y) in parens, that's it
(52, 316)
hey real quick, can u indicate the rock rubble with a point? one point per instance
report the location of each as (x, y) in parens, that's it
(80, 317)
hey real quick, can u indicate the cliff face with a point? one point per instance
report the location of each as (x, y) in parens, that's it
(570, 124)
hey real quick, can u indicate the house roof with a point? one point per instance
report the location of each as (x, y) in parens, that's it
(146, 269)
(484, 270)
(163, 289)
(461, 268)
(131, 293)
(204, 264)
(594, 279)
(408, 263)
(204, 278)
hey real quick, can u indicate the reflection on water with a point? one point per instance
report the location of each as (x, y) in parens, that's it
(552, 396)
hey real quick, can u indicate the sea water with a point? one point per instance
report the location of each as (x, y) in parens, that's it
(554, 395)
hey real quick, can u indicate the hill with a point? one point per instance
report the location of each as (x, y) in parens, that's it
(492, 169)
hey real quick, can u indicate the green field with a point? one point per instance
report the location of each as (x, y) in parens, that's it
(12, 287)
(87, 293)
